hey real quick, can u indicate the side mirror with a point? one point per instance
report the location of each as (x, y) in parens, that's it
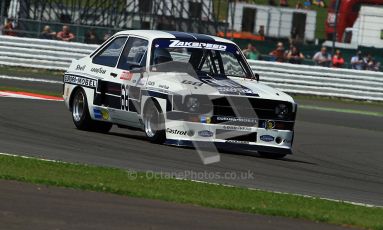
(256, 76)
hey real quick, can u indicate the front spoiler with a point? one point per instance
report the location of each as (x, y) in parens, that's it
(232, 147)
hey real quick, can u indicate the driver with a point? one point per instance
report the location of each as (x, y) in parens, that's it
(161, 55)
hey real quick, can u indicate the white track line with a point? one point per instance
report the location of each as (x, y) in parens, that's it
(212, 183)
(30, 79)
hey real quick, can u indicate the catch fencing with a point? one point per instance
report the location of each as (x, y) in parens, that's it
(290, 78)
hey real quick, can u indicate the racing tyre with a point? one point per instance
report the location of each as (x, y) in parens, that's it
(272, 155)
(81, 116)
(154, 122)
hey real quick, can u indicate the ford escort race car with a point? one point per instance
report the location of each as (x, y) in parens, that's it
(179, 88)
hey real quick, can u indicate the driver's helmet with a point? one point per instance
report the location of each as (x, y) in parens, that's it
(161, 55)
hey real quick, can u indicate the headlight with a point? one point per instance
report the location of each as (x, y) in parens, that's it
(192, 104)
(281, 111)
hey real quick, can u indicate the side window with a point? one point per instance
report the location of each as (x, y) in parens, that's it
(109, 55)
(134, 54)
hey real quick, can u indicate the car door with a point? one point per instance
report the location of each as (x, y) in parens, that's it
(131, 75)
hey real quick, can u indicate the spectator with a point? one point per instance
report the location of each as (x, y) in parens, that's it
(299, 5)
(295, 37)
(294, 56)
(272, 3)
(91, 37)
(47, 33)
(319, 3)
(279, 53)
(337, 60)
(261, 31)
(65, 34)
(9, 28)
(322, 58)
(307, 4)
(283, 3)
(107, 35)
(371, 63)
(358, 62)
(251, 52)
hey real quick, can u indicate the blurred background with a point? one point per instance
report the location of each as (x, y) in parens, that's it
(292, 31)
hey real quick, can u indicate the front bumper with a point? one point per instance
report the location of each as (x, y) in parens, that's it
(233, 137)
(230, 146)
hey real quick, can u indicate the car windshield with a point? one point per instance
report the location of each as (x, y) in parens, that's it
(205, 58)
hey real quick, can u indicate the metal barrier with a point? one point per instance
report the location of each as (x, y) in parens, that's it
(321, 81)
(290, 78)
(39, 53)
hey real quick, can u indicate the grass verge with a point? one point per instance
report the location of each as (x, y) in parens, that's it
(335, 99)
(29, 72)
(123, 182)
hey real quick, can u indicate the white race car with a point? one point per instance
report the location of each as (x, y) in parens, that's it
(180, 89)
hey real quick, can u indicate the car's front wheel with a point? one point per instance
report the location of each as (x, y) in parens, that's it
(81, 116)
(154, 123)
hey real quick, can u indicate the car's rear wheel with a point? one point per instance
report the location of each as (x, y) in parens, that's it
(154, 123)
(81, 116)
(271, 155)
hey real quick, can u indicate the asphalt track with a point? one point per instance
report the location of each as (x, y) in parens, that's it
(27, 206)
(336, 155)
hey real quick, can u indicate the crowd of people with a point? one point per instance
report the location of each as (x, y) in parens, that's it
(64, 35)
(279, 54)
(321, 58)
(304, 4)
(10, 28)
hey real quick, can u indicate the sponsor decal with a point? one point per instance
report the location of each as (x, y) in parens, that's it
(175, 131)
(237, 142)
(195, 83)
(227, 86)
(98, 70)
(80, 81)
(126, 75)
(270, 124)
(236, 128)
(266, 138)
(267, 124)
(151, 83)
(80, 67)
(198, 45)
(236, 119)
(101, 114)
(206, 120)
(205, 133)
(164, 86)
(287, 141)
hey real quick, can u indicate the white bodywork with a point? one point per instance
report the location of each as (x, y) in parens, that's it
(83, 73)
